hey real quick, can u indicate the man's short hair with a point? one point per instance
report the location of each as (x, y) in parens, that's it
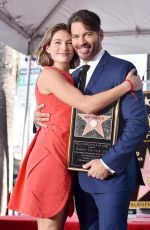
(91, 20)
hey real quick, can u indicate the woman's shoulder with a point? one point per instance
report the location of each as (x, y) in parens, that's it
(50, 71)
(54, 69)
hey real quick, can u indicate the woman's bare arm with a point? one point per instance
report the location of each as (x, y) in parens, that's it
(51, 81)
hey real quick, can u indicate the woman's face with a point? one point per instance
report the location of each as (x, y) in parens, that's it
(60, 48)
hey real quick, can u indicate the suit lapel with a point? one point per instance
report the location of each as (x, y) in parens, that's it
(75, 76)
(97, 72)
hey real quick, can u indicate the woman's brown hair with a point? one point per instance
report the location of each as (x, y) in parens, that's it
(43, 58)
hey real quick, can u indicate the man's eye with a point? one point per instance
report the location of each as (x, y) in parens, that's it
(89, 34)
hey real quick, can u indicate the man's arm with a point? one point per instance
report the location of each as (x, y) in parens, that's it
(136, 126)
(40, 117)
(135, 116)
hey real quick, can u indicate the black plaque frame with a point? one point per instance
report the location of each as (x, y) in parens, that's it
(91, 135)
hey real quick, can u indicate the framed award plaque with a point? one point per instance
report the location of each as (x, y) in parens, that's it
(91, 135)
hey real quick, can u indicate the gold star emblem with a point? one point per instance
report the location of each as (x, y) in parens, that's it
(94, 122)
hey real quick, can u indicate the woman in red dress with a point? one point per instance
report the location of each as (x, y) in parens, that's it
(44, 185)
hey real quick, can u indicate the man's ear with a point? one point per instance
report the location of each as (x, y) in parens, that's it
(101, 33)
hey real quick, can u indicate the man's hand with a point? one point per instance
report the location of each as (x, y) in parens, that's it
(96, 169)
(40, 117)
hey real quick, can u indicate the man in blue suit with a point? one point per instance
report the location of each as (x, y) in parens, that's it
(103, 194)
(111, 180)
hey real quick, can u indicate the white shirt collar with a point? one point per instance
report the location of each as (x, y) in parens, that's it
(94, 61)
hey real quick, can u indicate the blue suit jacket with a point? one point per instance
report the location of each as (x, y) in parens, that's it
(133, 127)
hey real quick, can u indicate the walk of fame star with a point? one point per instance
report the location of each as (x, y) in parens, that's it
(146, 176)
(94, 122)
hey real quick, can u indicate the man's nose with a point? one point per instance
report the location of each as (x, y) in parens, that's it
(81, 40)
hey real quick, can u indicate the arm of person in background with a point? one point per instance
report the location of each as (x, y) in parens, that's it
(58, 85)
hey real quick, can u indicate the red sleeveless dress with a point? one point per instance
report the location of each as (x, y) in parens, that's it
(44, 184)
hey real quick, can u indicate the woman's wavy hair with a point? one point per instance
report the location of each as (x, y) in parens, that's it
(44, 58)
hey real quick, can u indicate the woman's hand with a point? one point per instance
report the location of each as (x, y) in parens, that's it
(134, 81)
